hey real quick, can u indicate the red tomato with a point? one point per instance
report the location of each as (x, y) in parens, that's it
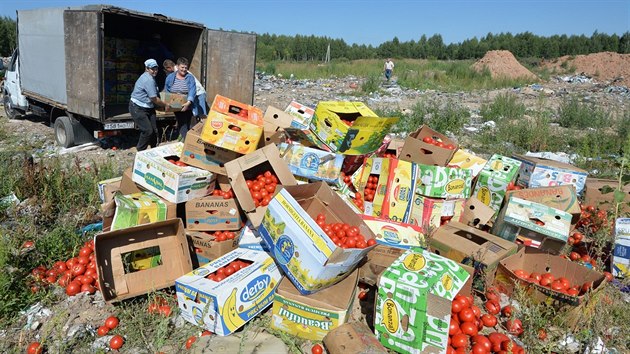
(371, 242)
(28, 244)
(476, 311)
(428, 140)
(317, 349)
(116, 342)
(190, 341)
(468, 328)
(521, 274)
(73, 288)
(514, 327)
(88, 288)
(111, 322)
(459, 341)
(206, 333)
(483, 341)
(608, 276)
(34, 348)
(164, 310)
(507, 311)
(362, 295)
(466, 315)
(456, 307)
(102, 330)
(492, 307)
(489, 320)
(492, 294)
(542, 334)
(453, 328)
(85, 251)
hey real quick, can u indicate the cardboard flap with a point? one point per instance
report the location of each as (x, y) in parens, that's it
(275, 118)
(118, 272)
(476, 213)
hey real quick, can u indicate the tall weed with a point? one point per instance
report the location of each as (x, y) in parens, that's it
(505, 106)
(573, 113)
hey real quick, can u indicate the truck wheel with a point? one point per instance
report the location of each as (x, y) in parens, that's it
(64, 132)
(11, 112)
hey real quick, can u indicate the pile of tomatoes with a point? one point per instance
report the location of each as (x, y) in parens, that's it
(559, 284)
(513, 187)
(592, 219)
(159, 305)
(175, 161)
(76, 275)
(220, 236)
(343, 235)
(224, 272)
(467, 321)
(262, 188)
(348, 122)
(229, 194)
(438, 143)
(370, 188)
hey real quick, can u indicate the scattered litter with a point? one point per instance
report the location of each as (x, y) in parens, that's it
(34, 313)
(9, 200)
(556, 156)
(84, 147)
(577, 79)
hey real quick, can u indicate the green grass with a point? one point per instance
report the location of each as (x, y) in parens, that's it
(449, 116)
(504, 106)
(576, 113)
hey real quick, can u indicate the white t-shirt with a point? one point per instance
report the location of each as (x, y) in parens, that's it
(389, 65)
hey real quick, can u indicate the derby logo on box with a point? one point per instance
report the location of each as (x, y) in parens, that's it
(255, 288)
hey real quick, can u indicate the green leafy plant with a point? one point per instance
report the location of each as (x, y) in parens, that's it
(504, 106)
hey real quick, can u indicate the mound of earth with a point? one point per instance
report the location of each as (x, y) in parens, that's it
(502, 63)
(604, 66)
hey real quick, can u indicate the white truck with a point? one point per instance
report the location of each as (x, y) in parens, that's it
(76, 66)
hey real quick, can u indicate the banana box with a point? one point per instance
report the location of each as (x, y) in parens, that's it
(199, 153)
(302, 114)
(231, 133)
(174, 100)
(558, 197)
(213, 213)
(350, 128)
(413, 301)
(466, 159)
(107, 188)
(430, 213)
(395, 234)
(418, 147)
(539, 172)
(443, 182)
(226, 305)
(177, 184)
(621, 252)
(533, 224)
(237, 110)
(311, 163)
(372, 166)
(313, 316)
(494, 178)
(137, 209)
(399, 194)
(207, 246)
(306, 254)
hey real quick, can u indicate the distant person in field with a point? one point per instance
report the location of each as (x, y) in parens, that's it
(388, 68)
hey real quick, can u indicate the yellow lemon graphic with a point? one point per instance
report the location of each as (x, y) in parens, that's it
(447, 281)
(484, 195)
(390, 316)
(414, 262)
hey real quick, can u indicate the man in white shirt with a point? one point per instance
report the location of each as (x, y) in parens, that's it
(389, 68)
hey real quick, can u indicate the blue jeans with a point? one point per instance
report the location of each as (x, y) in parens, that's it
(199, 106)
(388, 74)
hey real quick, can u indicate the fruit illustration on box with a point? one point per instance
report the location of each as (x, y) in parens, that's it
(229, 313)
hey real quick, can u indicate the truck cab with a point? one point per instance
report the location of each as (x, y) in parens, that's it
(15, 103)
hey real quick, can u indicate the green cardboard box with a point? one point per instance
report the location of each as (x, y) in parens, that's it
(443, 182)
(494, 178)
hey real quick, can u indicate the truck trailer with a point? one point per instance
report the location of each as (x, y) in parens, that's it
(76, 66)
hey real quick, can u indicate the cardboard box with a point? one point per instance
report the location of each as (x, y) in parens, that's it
(213, 213)
(140, 208)
(416, 150)
(430, 213)
(443, 182)
(306, 254)
(493, 180)
(250, 238)
(313, 316)
(174, 183)
(224, 306)
(127, 185)
(206, 244)
(559, 197)
(621, 252)
(413, 302)
(595, 195)
(311, 163)
(353, 338)
(115, 250)
(231, 133)
(395, 234)
(174, 100)
(238, 110)
(302, 114)
(401, 183)
(362, 137)
(476, 214)
(539, 172)
(473, 247)
(466, 159)
(377, 260)
(204, 155)
(107, 188)
(372, 167)
(533, 224)
(534, 260)
(247, 168)
(394, 148)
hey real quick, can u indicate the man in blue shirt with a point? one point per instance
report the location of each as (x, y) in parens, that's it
(142, 104)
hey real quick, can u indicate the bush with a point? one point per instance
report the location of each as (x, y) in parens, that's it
(371, 84)
(504, 106)
(572, 113)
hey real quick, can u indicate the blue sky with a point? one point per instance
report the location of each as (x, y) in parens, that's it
(374, 22)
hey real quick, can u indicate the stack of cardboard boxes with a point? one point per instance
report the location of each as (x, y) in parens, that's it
(435, 221)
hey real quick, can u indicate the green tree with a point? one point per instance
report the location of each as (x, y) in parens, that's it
(8, 36)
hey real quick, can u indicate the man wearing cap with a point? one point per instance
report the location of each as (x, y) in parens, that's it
(142, 104)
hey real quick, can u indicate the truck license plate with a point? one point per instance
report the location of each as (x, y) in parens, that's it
(119, 125)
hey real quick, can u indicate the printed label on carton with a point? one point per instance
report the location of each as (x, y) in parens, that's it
(443, 182)
(621, 253)
(493, 180)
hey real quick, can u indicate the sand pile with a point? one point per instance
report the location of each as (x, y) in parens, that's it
(502, 63)
(604, 66)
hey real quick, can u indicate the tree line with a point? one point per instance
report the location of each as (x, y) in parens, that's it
(314, 48)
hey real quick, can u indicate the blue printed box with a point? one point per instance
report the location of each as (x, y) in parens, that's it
(224, 305)
(311, 163)
(306, 254)
(539, 172)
